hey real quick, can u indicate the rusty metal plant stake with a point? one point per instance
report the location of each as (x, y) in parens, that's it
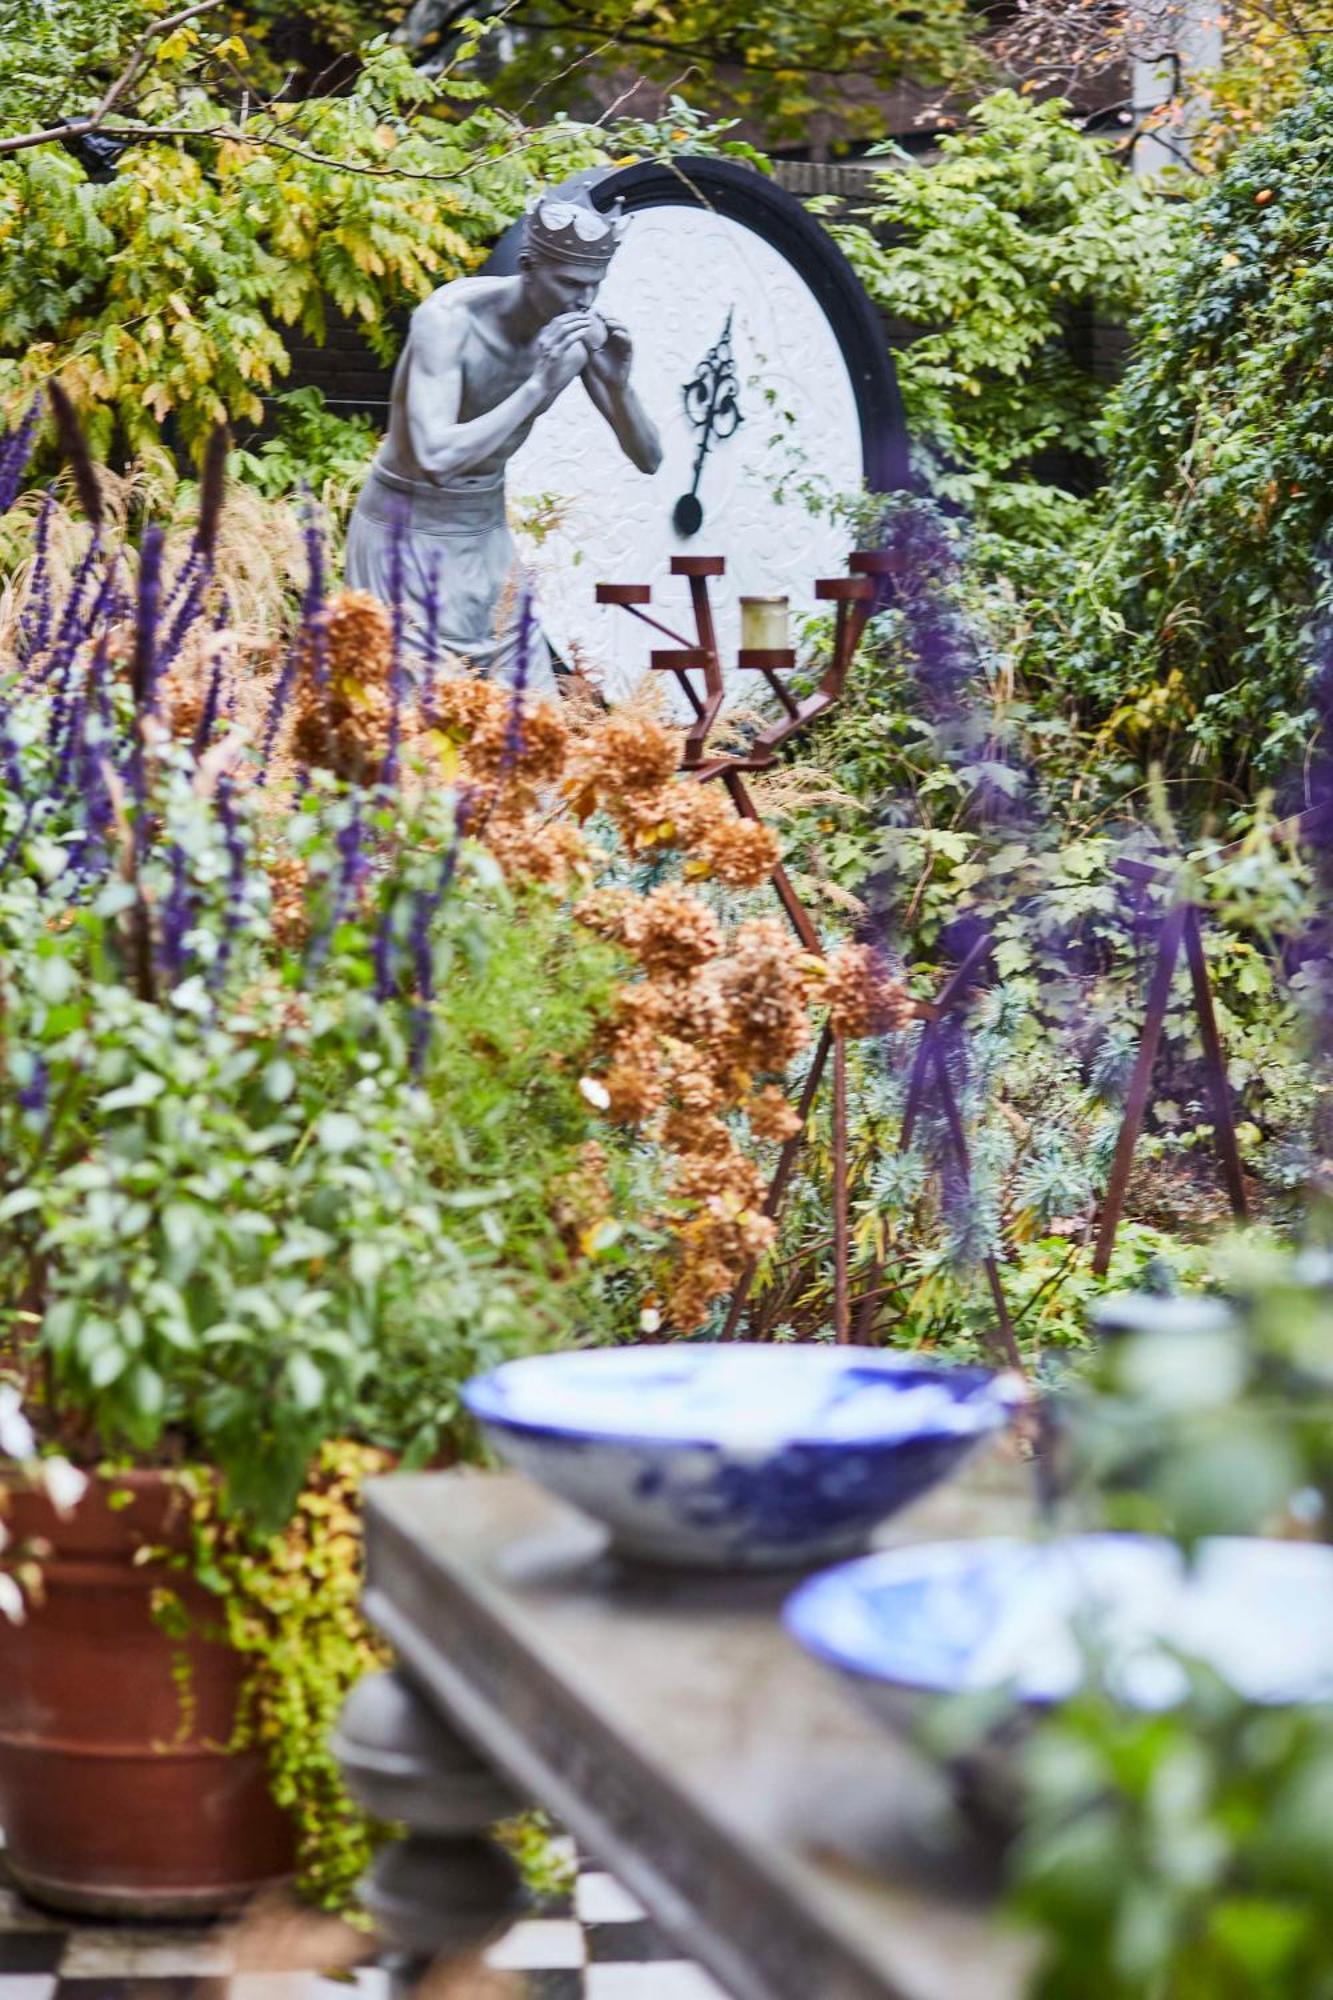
(929, 1061)
(1180, 925)
(857, 596)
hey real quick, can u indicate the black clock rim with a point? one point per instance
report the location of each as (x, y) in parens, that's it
(746, 196)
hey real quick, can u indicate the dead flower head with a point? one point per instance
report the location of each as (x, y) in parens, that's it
(671, 931)
(865, 996)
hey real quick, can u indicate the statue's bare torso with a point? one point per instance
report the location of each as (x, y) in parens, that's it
(461, 320)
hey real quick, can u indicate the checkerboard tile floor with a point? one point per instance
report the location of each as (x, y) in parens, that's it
(598, 1946)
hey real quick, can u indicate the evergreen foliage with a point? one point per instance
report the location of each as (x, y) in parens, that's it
(1182, 619)
(1023, 222)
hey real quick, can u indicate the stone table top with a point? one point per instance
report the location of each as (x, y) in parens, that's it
(788, 1841)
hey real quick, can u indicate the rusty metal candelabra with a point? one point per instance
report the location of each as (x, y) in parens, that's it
(857, 596)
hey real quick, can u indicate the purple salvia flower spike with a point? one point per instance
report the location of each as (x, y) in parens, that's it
(144, 663)
(16, 455)
(77, 619)
(35, 630)
(209, 716)
(7, 455)
(425, 907)
(309, 635)
(63, 659)
(431, 629)
(71, 748)
(382, 953)
(277, 708)
(216, 683)
(11, 764)
(143, 675)
(397, 600)
(177, 915)
(92, 787)
(234, 840)
(513, 743)
(189, 603)
(74, 445)
(181, 582)
(352, 865)
(197, 570)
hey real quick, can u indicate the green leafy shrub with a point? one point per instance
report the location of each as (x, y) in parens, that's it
(309, 446)
(775, 63)
(1181, 621)
(1023, 220)
(166, 290)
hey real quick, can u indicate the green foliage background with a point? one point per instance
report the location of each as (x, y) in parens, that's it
(167, 291)
(1023, 221)
(1181, 620)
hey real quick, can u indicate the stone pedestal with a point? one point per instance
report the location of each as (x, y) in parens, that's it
(446, 1889)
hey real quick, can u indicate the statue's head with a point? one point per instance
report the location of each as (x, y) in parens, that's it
(567, 246)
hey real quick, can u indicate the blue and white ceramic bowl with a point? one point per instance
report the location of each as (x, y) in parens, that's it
(1019, 1618)
(737, 1455)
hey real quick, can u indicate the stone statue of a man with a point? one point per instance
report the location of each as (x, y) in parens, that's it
(484, 358)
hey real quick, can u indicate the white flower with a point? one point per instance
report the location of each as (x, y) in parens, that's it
(596, 1093)
(11, 1600)
(16, 1438)
(650, 1319)
(65, 1484)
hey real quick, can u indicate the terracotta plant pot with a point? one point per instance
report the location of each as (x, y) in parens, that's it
(117, 1794)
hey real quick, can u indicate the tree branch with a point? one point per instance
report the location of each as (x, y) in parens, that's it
(79, 128)
(232, 135)
(721, 54)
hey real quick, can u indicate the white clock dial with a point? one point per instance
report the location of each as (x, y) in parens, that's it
(766, 491)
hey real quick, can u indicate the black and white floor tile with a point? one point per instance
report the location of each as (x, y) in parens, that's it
(598, 1946)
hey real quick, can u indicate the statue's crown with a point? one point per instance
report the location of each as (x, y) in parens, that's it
(573, 231)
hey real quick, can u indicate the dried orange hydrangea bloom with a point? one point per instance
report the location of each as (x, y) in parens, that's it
(289, 887)
(690, 1038)
(670, 931)
(343, 724)
(773, 1116)
(711, 1017)
(865, 996)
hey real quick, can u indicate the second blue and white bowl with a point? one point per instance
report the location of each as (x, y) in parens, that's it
(737, 1455)
(1026, 1619)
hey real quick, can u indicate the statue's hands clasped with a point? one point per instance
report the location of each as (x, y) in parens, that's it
(612, 357)
(563, 349)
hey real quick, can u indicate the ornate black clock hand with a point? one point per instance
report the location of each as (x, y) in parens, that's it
(711, 406)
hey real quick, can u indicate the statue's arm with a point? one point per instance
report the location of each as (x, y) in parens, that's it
(607, 380)
(443, 446)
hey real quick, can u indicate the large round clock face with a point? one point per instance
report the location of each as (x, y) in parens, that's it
(743, 372)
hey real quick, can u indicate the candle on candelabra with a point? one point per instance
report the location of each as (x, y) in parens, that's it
(765, 625)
